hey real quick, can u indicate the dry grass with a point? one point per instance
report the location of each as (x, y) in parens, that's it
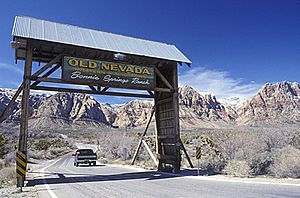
(7, 175)
(237, 168)
(286, 163)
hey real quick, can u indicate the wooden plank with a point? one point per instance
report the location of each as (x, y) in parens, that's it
(168, 144)
(166, 157)
(165, 111)
(167, 118)
(165, 137)
(166, 82)
(58, 80)
(166, 100)
(167, 127)
(157, 89)
(90, 92)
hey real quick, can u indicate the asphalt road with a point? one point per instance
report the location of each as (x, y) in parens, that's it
(62, 179)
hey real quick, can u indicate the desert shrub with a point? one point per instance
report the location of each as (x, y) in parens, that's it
(10, 158)
(2, 164)
(260, 163)
(7, 175)
(111, 145)
(211, 164)
(46, 143)
(37, 154)
(50, 148)
(4, 146)
(237, 168)
(286, 162)
(296, 141)
(42, 144)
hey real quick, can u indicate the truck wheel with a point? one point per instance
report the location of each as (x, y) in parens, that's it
(94, 163)
(76, 164)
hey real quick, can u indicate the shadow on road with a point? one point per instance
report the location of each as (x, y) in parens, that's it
(64, 178)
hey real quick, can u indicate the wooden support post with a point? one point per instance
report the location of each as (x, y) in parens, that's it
(176, 118)
(141, 140)
(25, 108)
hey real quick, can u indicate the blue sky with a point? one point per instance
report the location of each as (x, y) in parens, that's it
(235, 45)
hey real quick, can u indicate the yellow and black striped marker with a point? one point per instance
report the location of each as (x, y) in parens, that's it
(198, 153)
(21, 162)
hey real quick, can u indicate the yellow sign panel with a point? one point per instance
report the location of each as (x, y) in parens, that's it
(111, 74)
(198, 153)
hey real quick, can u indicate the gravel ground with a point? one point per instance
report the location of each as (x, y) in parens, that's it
(13, 192)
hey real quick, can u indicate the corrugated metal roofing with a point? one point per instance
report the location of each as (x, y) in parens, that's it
(28, 27)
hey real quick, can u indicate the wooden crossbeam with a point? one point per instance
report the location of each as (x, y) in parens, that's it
(44, 88)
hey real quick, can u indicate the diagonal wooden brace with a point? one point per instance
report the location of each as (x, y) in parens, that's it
(159, 74)
(141, 140)
(20, 89)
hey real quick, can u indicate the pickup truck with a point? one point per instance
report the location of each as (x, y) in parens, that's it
(85, 156)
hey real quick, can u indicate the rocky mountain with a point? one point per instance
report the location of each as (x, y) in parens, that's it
(195, 109)
(202, 109)
(273, 102)
(15, 114)
(68, 108)
(134, 113)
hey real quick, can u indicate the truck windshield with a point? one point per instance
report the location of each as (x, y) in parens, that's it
(85, 152)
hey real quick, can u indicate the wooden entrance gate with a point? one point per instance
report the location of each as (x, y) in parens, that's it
(35, 40)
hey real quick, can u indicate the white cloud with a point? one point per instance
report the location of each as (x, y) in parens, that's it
(11, 67)
(220, 83)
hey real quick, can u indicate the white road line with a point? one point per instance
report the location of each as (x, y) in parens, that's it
(241, 181)
(51, 193)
